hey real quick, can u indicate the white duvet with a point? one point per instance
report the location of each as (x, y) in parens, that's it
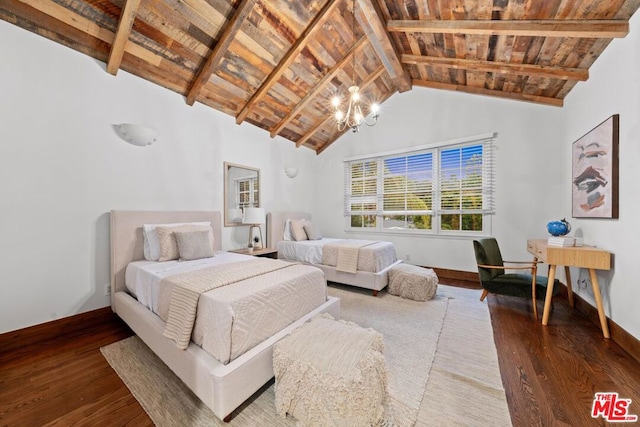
(372, 258)
(235, 318)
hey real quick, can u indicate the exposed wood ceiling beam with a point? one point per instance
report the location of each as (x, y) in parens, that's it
(371, 20)
(233, 26)
(363, 87)
(127, 16)
(539, 28)
(85, 25)
(563, 73)
(495, 93)
(319, 87)
(288, 59)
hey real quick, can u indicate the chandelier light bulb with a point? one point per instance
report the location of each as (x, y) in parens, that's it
(353, 116)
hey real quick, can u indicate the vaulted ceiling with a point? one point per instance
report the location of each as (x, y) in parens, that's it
(277, 63)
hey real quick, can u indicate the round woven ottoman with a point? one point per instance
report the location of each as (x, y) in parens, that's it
(413, 282)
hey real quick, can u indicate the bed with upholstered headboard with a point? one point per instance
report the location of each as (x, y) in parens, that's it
(382, 254)
(222, 387)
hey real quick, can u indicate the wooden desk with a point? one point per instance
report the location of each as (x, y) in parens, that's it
(576, 256)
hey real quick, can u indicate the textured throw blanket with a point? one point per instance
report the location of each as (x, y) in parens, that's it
(189, 286)
(348, 252)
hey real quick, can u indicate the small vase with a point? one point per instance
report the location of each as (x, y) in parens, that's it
(250, 250)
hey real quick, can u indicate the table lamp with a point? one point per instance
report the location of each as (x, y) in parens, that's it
(255, 217)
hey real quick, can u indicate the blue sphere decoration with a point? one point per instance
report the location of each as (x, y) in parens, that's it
(559, 228)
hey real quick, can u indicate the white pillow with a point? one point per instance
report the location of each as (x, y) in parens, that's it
(287, 235)
(297, 230)
(287, 230)
(152, 242)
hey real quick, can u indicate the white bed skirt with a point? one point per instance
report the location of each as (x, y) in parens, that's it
(362, 279)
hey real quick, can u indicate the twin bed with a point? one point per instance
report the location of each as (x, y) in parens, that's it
(228, 352)
(369, 271)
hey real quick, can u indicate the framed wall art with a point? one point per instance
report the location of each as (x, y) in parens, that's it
(594, 178)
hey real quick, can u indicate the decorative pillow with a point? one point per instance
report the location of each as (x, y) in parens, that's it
(194, 244)
(168, 244)
(151, 242)
(297, 230)
(313, 233)
(287, 230)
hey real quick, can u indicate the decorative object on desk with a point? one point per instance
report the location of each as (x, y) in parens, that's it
(136, 134)
(256, 242)
(564, 241)
(254, 217)
(594, 173)
(559, 228)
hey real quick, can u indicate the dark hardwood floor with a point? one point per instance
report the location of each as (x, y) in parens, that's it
(550, 374)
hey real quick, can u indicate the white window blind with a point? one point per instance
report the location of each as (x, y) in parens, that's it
(446, 188)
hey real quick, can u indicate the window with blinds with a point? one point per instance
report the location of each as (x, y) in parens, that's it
(445, 189)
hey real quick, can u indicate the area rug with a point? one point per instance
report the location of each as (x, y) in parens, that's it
(441, 357)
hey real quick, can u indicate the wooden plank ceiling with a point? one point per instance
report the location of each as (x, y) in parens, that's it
(277, 63)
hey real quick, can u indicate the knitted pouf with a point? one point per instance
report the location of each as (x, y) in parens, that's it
(331, 373)
(413, 282)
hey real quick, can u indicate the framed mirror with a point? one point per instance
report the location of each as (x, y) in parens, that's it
(241, 190)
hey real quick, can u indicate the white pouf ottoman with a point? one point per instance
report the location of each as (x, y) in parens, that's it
(331, 373)
(413, 282)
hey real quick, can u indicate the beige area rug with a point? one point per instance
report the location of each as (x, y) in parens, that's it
(443, 367)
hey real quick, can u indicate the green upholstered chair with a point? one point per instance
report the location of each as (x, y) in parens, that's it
(495, 279)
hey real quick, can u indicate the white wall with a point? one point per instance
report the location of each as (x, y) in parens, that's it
(63, 169)
(527, 194)
(613, 88)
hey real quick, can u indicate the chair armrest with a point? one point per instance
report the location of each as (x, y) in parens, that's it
(503, 267)
(523, 262)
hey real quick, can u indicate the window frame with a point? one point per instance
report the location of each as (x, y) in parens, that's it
(436, 211)
(252, 192)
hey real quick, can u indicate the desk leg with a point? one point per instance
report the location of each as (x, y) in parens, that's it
(567, 274)
(598, 297)
(549, 296)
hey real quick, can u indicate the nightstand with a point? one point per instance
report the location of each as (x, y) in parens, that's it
(264, 252)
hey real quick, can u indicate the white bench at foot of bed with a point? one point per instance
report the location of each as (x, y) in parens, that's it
(362, 279)
(221, 387)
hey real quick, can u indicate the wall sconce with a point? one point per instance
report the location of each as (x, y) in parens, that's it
(291, 172)
(136, 134)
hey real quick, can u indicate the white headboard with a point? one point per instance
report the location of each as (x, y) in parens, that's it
(275, 224)
(127, 243)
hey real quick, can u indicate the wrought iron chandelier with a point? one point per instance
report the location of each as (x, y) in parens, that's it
(353, 116)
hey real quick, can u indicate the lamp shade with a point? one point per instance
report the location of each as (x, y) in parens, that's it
(253, 216)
